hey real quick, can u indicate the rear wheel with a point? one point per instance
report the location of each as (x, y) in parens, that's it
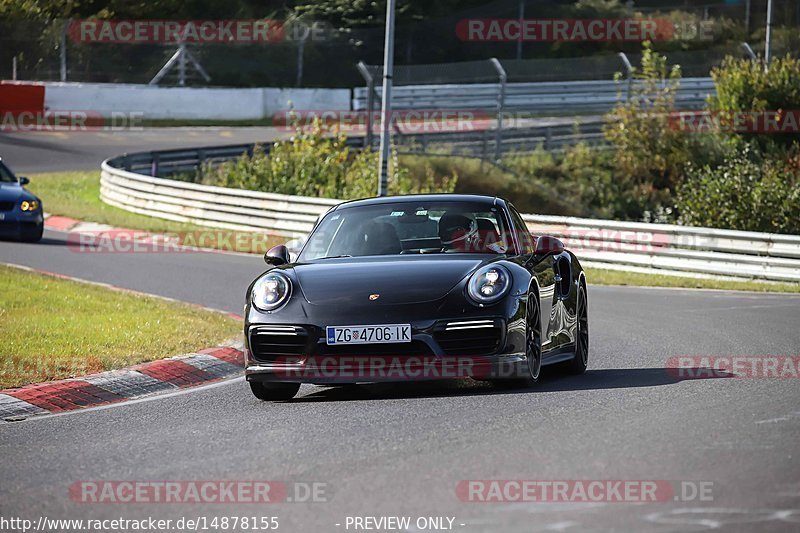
(274, 391)
(581, 360)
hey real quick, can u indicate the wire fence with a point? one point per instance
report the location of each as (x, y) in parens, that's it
(525, 88)
(39, 51)
(44, 50)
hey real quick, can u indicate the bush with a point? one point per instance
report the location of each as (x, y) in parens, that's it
(599, 9)
(313, 164)
(650, 157)
(753, 183)
(750, 191)
(744, 85)
(528, 192)
(577, 182)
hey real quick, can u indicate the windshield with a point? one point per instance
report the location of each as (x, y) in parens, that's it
(5, 175)
(409, 228)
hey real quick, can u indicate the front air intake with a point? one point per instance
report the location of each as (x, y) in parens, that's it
(469, 337)
(268, 343)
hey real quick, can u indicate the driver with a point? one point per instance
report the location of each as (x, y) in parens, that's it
(458, 232)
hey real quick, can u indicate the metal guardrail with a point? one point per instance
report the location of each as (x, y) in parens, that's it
(554, 135)
(503, 98)
(489, 143)
(607, 244)
(675, 249)
(170, 162)
(206, 205)
(161, 163)
(544, 97)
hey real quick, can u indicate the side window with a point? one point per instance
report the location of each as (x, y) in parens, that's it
(521, 229)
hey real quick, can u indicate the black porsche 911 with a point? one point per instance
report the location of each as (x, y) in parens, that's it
(415, 287)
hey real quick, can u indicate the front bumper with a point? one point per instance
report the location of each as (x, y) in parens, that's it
(366, 369)
(478, 347)
(16, 225)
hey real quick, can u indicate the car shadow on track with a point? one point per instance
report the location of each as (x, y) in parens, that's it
(552, 380)
(46, 241)
(41, 143)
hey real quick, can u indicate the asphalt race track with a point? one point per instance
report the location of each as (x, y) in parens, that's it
(85, 150)
(401, 450)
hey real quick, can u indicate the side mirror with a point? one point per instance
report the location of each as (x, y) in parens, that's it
(23, 180)
(547, 245)
(277, 255)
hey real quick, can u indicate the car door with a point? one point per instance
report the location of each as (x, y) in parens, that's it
(543, 272)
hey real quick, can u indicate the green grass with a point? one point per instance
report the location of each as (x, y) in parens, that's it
(54, 328)
(77, 195)
(636, 279)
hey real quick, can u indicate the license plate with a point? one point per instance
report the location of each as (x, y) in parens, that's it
(379, 334)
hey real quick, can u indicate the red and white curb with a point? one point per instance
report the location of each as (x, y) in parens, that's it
(71, 225)
(157, 242)
(66, 224)
(115, 386)
(60, 223)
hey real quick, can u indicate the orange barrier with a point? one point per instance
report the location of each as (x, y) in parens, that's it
(20, 97)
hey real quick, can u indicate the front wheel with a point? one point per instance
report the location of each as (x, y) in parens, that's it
(533, 348)
(274, 391)
(533, 342)
(581, 360)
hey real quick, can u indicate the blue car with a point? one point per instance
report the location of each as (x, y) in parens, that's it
(21, 213)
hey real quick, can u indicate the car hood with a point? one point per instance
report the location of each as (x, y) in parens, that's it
(396, 279)
(12, 192)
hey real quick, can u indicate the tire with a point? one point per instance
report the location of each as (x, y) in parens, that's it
(32, 236)
(274, 391)
(533, 348)
(579, 363)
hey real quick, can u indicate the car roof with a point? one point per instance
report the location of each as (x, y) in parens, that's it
(440, 197)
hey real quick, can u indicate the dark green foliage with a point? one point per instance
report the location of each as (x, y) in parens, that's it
(750, 191)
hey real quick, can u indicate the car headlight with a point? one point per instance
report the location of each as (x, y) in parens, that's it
(489, 284)
(271, 291)
(29, 205)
